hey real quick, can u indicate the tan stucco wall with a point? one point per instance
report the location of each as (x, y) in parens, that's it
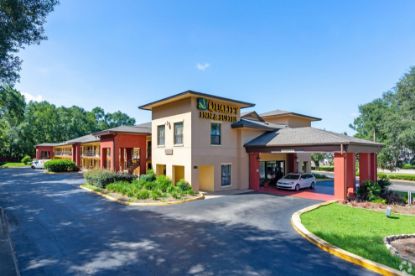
(197, 155)
(301, 157)
(291, 121)
(179, 111)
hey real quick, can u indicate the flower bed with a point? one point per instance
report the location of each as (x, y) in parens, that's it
(147, 188)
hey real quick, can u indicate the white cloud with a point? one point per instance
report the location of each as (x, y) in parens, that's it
(30, 97)
(202, 66)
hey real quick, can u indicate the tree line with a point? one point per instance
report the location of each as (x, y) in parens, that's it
(23, 125)
(391, 120)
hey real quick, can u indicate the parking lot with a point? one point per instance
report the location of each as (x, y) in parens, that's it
(58, 228)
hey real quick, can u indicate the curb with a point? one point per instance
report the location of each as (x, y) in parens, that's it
(334, 250)
(127, 203)
(5, 226)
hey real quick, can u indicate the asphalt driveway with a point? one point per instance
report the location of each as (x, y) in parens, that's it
(59, 229)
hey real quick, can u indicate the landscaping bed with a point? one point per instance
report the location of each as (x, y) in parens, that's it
(358, 230)
(396, 208)
(149, 188)
(405, 248)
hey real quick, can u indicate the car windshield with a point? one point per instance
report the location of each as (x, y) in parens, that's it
(292, 176)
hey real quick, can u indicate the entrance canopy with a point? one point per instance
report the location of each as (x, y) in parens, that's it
(309, 139)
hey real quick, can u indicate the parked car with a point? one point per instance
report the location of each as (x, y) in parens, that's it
(39, 164)
(297, 181)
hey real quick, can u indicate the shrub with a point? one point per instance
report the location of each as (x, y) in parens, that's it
(176, 194)
(61, 165)
(163, 183)
(149, 185)
(143, 194)
(402, 176)
(156, 194)
(101, 178)
(183, 186)
(408, 166)
(326, 168)
(149, 176)
(375, 191)
(26, 159)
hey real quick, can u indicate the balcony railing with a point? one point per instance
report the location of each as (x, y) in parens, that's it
(63, 153)
(90, 153)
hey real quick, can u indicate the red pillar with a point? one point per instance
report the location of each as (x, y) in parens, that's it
(37, 154)
(373, 167)
(76, 154)
(344, 175)
(115, 155)
(364, 167)
(254, 171)
(102, 157)
(292, 163)
(367, 167)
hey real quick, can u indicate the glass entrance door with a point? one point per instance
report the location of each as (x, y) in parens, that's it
(271, 171)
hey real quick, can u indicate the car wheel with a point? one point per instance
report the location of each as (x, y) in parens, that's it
(33, 167)
(312, 185)
(297, 187)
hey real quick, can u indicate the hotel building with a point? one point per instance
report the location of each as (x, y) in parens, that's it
(209, 142)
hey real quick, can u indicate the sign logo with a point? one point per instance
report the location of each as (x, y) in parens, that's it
(216, 111)
(202, 104)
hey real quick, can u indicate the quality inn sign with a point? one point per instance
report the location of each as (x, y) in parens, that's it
(216, 111)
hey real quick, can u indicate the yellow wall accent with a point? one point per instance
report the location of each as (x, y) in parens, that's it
(206, 178)
(178, 173)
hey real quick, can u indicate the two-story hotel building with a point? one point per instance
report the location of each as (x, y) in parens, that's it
(207, 140)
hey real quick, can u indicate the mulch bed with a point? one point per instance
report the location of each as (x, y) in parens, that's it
(405, 248)
(401, 209)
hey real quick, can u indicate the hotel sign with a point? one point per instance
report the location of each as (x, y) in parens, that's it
(212, 110)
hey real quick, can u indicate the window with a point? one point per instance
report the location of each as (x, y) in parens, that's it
(160, 135)
(148, 149)
(215, 134)
(178, 133)
(226, 175)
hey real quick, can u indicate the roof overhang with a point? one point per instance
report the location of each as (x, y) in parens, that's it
(292, 114)
(111, 132)
(189, 94)
(293, 148)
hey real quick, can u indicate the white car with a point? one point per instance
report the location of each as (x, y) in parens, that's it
(39, 164)
(297, 181)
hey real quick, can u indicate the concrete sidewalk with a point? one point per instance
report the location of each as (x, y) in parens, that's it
(8, 264)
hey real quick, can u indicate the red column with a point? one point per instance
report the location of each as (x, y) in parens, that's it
(37, 153)
(254, 171)
(292, 163)
(344, 175)
(364, 165)
(373, 167)
(102, 157)
(76, 154)
(115, 155)
(351, 175)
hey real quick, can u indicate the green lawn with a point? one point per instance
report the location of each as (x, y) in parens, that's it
(12, 165)
(358, 230)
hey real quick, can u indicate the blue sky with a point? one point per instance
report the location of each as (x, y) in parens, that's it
(321, 58)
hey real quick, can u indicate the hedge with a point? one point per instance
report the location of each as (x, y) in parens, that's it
(408, 166)
(61, 165)
(326, 168)
(398, 176)
(101, 178)
(26, 160)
